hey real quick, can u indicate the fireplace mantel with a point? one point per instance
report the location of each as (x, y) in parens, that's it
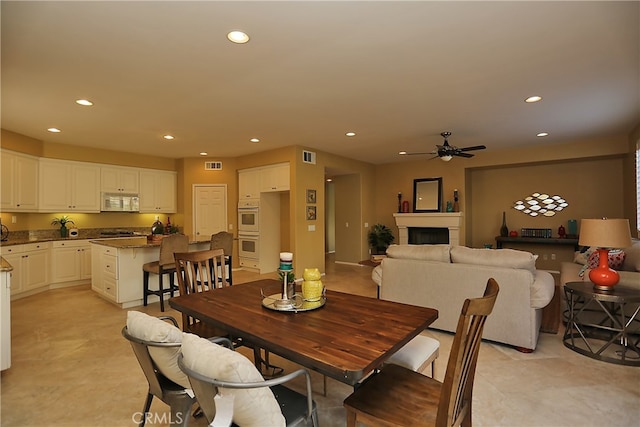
(449, 220)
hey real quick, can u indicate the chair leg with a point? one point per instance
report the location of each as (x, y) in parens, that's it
(160, 291)
(145, 288)
(171, 285)
(351, 418)
(181, 412)
(147, 405)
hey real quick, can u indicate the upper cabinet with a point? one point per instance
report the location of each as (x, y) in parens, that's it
(19, 191)
(252, 182)
(158, 191)
(69, 186)
(274, 178)
(119, 180)
(249, 184)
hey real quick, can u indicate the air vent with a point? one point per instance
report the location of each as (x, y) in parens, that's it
(213, 166)
(308, 157)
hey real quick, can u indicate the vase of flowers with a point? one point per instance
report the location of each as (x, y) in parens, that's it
(63, 221)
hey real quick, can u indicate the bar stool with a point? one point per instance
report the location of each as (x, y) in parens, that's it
(224, 240)
(165, 265)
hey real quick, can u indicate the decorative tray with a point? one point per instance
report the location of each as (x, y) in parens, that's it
(297, 303)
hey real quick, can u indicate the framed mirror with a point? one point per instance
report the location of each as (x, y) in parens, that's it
(427, 194)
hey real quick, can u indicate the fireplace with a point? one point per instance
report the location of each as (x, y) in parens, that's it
(437, 225)
(428, 235)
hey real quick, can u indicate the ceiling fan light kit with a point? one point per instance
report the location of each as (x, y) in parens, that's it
(446, 152)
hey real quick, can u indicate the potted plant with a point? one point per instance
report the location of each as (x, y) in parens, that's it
(380, 237)
(63, 221)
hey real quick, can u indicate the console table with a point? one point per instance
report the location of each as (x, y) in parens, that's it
(537, 240)
(603, 325)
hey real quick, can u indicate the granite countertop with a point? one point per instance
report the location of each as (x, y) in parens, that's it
(136, 242)
(4, 265)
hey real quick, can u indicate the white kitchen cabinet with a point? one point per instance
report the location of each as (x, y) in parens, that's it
(104, 271)
(158, 191)
(119, 180)
(274, 178)
(69, 186)
(19, 191)
(30, 264)
(71, 261)
(249, 184)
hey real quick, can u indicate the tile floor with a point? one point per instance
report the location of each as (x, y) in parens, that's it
(71, 367)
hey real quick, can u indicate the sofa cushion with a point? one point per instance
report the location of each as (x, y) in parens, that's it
(632, 258)
(149, 328)
(251, 407)
(505, 258)
(420, 252)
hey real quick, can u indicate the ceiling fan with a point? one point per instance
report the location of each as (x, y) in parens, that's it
(446, 151)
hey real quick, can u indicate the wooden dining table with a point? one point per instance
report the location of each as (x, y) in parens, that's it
(345, 339)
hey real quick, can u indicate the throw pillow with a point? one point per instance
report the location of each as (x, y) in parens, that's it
(616, 258)
(632, 257)
(254, 407)
(420, 252)
(149, 328)
(506, 258)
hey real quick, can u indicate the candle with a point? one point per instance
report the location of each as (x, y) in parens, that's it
(286, 256)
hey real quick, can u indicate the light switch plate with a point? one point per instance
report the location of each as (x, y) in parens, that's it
(312, 228)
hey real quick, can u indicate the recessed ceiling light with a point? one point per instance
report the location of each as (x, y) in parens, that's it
(168, 137)
(239, 37)
(402, 153)
(329, 180)
(54, 130)
(534, 98)
(350, 134)
(203, 153)
(254, 140)
(84, 102)
(541, 134)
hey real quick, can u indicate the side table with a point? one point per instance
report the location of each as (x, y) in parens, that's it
(603, 325)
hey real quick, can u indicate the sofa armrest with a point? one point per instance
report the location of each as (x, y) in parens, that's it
(542, 289)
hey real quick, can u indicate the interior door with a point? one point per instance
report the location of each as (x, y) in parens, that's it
(209, 210)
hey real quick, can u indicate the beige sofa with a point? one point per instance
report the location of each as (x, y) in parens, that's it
(443, 276)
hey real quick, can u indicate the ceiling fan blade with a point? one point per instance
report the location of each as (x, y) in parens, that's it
(416, 154)
(461, 154)
(475, 147)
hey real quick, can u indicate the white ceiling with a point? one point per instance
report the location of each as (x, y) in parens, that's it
(396, 73)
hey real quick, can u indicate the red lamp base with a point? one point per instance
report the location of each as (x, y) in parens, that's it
(602, 276)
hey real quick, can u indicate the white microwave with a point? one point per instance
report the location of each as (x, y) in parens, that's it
(120, 202)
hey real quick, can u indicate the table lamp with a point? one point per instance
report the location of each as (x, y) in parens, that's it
(604, 234)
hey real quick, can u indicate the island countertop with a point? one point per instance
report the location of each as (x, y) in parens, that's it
(135, 242)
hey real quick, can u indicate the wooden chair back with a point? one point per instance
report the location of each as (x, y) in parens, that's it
(457, 389)
(200, 271)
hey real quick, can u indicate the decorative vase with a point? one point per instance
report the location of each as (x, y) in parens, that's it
(64, 232)
(504, 230)
(312, 285)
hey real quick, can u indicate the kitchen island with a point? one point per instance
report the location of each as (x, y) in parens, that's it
(116, 268)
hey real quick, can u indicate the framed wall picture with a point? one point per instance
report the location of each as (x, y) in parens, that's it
(311, 213)
(311, 196)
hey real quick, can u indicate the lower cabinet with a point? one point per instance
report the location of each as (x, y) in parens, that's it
(71, 261)
(30, 264)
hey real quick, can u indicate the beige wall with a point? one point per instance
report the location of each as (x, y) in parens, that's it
(376, 187)
(392, 178)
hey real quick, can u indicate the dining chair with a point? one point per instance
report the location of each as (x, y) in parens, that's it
(218, 371)
(155, 348)
(200, 271)
(164, 265)
(398, 396)
(224, 240)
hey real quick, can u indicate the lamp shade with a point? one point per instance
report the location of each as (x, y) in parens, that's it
(605, 233)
